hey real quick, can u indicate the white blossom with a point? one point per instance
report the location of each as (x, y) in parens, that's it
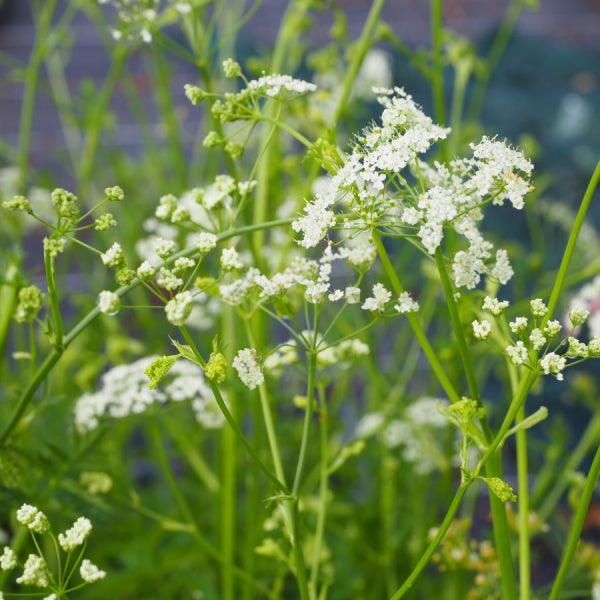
(90, 572)
(108, 303)
(178, 309)
(247, 367)
(380, 297)
(76, 535)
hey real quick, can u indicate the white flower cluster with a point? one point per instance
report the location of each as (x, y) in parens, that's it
(313, 278)
(248, 369)
(33, 518)
(36, 569)
(280, 85)
(535, 336)
(453, 196)
(124, 391)
(419, 433)
(76, 535)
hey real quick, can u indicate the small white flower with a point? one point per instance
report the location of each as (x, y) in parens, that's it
(114, 256)
(481, 329)
(537, 339)
(205, 242)
(352, 295)
(518, 325)
(146, 270)
(552, 328)
(164, 248)
(406, 304)
(34, 572)
(90, 572)
(553, 364)
(76, 535)
(377, 302)
(335, 295)
(494, 306)
(108, 303)
(168, 280)
(230, 259)
(33, 518)
(247, 367)
(538, 308)
(8, 560)
(178, 309)
(578, 315)
(517, 353)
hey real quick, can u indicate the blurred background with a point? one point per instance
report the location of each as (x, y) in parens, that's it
(546, 86)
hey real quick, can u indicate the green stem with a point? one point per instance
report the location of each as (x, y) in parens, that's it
(494, 467)
(523, 496)
(437, 72)
(88, 162)
(430, 354)
(457, 328)
(568, 253)
(577, 526)
(31, 81)
(229, 417)
(57, 325)
(9, 290)
(310, 401)
(228, 469)
(360, 50)
(322, 502)
(169, 115)
(435, 542)
(288, 31)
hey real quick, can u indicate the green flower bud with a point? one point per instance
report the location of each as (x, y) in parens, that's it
(500, 489)
(158, 368)
(194, 94)
(216, 367)
(17, 203)
(114, 193)
(30, 302)
(104, 222)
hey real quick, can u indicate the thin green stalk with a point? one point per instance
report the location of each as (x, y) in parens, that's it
(323, 489)
(435, 542)
(461, 79)
(310, 401)
(577, 526)
(228, 469)
(57, 325)
(186, 509)
(169, 116)
(571, 243)
(360, 50)
(268, 419)
(429, 352)
(9, 290)
(437, 72)
(31, 80)
(523, 496)
(457, 328)
(494, 467)
(92, 140)
(288, 31)
(279, 485)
